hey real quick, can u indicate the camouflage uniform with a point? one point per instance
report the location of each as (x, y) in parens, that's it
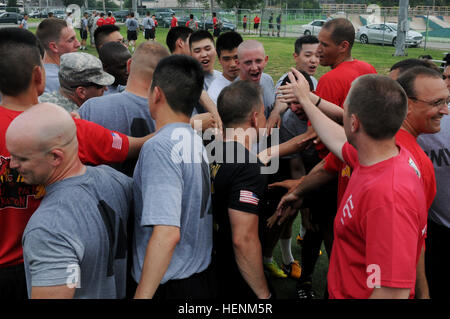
(77, 69)
(57, 98)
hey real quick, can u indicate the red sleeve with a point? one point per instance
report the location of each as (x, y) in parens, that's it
(98, 145)
(332, 163)
(350, 155)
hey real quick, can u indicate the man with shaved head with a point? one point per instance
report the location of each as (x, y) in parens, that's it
(252, 61)
(22, 81)
(75, 243)
(128, 112)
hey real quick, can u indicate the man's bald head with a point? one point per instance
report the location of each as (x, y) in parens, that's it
(43, 127)
(250, 45)
(252, 60)
(145, 60)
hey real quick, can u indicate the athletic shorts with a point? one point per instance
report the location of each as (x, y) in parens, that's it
(131, 35)
(83, 34)
(245, 25)
(255, 26)
(216, 32)
(149, 34)
(270, 26)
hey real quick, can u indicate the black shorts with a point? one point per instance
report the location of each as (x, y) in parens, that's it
(256, 26)
(216, 32)
(278, 27)
(201, 285)
(270, 26)
(83, 34)
(131, 35)
(245, 25)
(149, 34)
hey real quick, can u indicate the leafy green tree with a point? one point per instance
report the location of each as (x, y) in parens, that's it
(241, 4)
(11, 6)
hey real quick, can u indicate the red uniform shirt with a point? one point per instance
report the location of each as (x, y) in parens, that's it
(403, 138)
(256, 20)
(18, 201)
(100, 22)
(334, 85)
(110, 20)
(379, 228)
(173, 22)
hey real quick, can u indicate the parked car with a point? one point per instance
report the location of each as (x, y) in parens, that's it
(164, 19)
(386, 33)
(183, 20)
(10, 17)
(59, 14)
(121, 15)
(227, 25)
(312, 28)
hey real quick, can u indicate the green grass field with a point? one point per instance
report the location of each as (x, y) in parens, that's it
(280, 52)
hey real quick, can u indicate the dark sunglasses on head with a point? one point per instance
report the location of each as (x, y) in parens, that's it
(97, 86)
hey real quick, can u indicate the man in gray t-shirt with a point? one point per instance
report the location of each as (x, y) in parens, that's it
(173, 219)
(128, 112)
(74, 245)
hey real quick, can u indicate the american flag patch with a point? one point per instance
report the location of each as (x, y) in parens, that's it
(248, 197)
(117, 141)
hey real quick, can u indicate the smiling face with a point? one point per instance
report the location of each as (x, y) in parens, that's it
(308, 58)
(424, 117)
(29, 162)
(205, 53)
(252, 63)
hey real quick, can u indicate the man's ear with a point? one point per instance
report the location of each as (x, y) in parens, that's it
(344, 46)
(81, 92)
(56, 156)
(354, 123)
(129, 65)
(38, 78)
(53, 46)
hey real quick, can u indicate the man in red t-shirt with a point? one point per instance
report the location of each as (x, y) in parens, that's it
(97, 145)
(101, 21)
(414, 80)
(174, 21)
(110, 19)
(256, 22)
(381, 221)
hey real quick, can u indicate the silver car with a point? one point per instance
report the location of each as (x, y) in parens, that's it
(312, 28)
(386, 33)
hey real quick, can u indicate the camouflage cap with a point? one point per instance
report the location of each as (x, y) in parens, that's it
(78, 68)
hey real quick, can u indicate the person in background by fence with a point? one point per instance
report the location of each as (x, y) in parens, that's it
(256, 22)
(278, 25)
(84, 30)
(271, 25)
(244, 23)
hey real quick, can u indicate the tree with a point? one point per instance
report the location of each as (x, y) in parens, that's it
(241, 4)
(11, 6)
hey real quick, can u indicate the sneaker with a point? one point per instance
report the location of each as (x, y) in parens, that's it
(293, 269)
(305, 291)
(299, 239)
(274, 270)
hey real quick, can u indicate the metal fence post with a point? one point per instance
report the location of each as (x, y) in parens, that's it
(426, 31)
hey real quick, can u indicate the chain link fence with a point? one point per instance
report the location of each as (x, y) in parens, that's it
(432, 22)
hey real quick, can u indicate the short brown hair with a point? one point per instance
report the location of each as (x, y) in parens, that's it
(237, 101)
(380, 104)
(49, 30)
(341, 30)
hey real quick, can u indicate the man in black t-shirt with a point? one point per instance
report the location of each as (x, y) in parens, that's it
(237, 194)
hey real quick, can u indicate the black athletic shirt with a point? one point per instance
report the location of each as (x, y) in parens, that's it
(239, 186)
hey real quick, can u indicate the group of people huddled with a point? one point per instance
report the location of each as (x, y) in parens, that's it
(152, 175)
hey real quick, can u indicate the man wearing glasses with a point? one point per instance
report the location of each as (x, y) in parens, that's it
(81, 77)
(437, 146)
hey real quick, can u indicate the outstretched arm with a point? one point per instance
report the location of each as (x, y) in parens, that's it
(330, 133)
